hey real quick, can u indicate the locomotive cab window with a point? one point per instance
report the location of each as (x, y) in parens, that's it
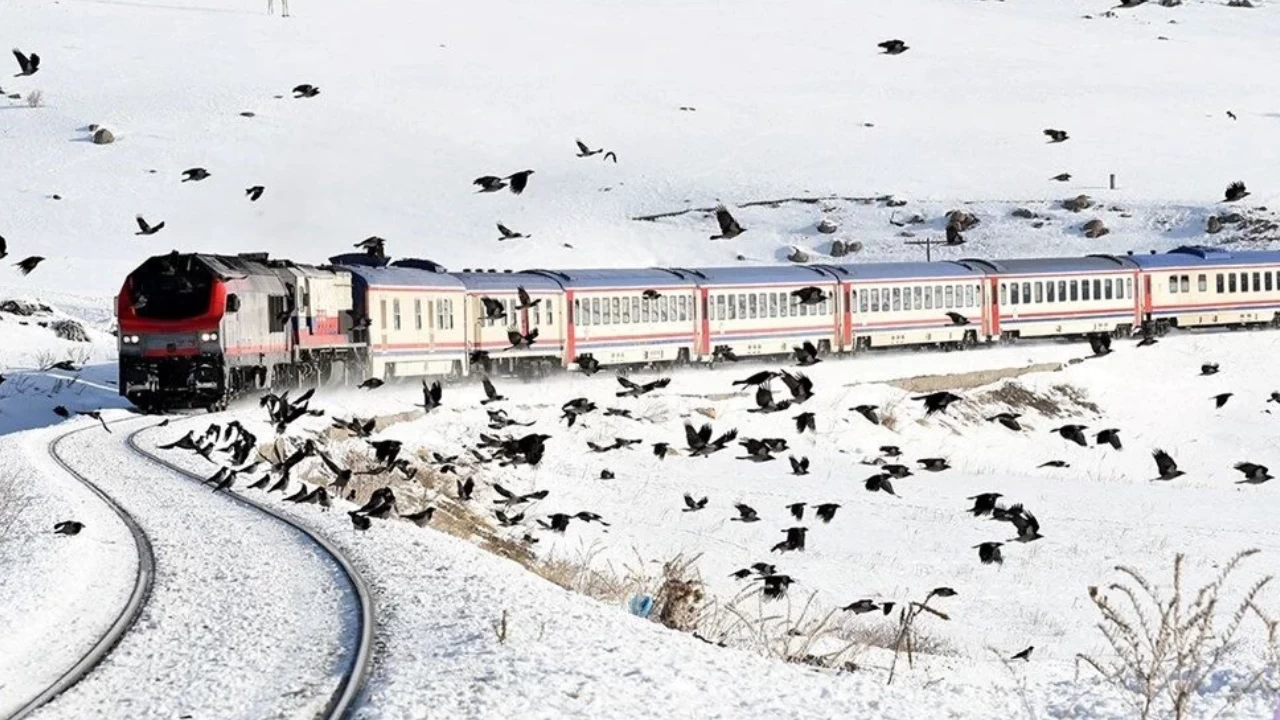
(233, 303)
(276, 313)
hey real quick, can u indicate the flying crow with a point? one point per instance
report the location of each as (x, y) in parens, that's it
(1166, 466)
(146, 229)
(1236, 191)
(729, 228)
(893, 47)
(1056, 136)
(869, 412)
(989, 552)
(937, 402)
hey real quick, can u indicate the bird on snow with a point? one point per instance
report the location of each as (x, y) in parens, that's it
(431, 395)
(423, 517)
(1024, 522)
(611, 156)
(1007, 419)
(729, 228)
(989, 552)
(508, 234)
(775, 586)
(28, 264)
(692, 505)
(746, 513)
(584, 151)
(371, 384)
(799, 466)
(1056, 136)
(1074, 433)
(518, 181)
(1235, 191)
(587, 364)
(305, 90)
(893, 47)
(826, 512)
(1025, 655)
(1209, 369)
(806, 354)
(954, 238)
(937, 402)
(799, 385)
(68, 527)
(1062, 177)
(700, 442)
(194, 174)
(4, 248)
(254, 193)
(1221, 399)
(934, 464)
(983, 503)
(1253, 474)
(1231, 115)
(869, 412)
(145, 228)
(29, 65)
(634, 389)
(1166, 466)
(1110, 436)
(661, 449)
(96, 416)
(796, 510)
(890, 450)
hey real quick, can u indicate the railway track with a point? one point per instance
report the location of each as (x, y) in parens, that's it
(356, 659)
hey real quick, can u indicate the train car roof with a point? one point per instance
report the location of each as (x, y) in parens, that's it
(1053, 265)
(508, 281)
(904, 270)
(598, 278)
(759, 274)
(374, 276)
(1201, 256)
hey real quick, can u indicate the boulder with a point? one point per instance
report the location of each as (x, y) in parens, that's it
(1215, 225)
(1094, 229)
(838, 249)
(21, 307)
(796, 255)
(69, 330)
(103, 136)
(1037, 224)
(961, 220)
(1231, 218)
(1023, 213)
(1078, 203)
(916, 219)
(826, 227)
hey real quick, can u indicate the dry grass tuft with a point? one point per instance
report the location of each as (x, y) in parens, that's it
(1059, 401)
(12, 502)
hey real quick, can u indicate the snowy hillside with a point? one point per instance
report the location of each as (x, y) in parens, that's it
(419, 98)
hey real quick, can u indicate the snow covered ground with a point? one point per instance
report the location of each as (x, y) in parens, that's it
(419, 98)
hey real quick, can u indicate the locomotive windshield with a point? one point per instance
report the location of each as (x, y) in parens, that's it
(171, 288)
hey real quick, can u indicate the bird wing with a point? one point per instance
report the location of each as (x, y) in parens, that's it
(523, 295)
(624, 382)
(22, 60)
(692, 437)
(688, 499)
(726, 221)
(514, 337)
(791, 381)
(506, 232)
(503, 491)
(764, 396)
(584, 149)
(142, 224)
(489, 390)
(809, 348)
(1164, 463)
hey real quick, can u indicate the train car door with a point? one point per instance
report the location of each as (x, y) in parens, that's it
(993, 327)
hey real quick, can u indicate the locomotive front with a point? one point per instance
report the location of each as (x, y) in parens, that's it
(170, 318)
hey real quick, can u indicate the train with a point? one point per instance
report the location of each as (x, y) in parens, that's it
(199, 329)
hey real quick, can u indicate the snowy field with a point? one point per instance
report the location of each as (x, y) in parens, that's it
(703, 103)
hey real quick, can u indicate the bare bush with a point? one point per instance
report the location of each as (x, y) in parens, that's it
(35, 98)
(1164, 647)
(12, 502)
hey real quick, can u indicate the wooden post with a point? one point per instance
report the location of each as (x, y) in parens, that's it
(1113, 181)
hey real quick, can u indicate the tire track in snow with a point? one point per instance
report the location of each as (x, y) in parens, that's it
(132, 608)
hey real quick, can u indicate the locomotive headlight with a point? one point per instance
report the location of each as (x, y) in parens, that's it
(208, 337)
(130, 339)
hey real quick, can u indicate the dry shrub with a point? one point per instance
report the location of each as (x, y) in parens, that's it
(12, 502)
(1165, 647)
(35, 98)
(1059, 401)
(967, 380)
(890, 415)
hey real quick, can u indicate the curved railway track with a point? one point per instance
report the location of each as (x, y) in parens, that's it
(342, 701)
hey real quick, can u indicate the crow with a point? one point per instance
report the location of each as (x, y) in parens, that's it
(1235, 191)
(587, 516)
(799, 467)
(607, 474)
(96, 416)
(297, 496)
(465, 489)
(937, 402)
(587, 364)
(305, 90)
(1025, 654)
(431, 395)
(806, 354)
(934, 464)
(576, 407)
(1165, 465)
(29, 264)
(757, 450)
(29, 65)
(692, 505)
(799, 384)
(765, 402)
(700, 443)
(1231, 115)
(989, 552)
(373, 246)
(147, 229)
(760, 378)
(861, 606)
(360, 522)
(983, 503)
(1007, 419)
(1221, 399)
(4, 248)
(1074, 433)
(957, 318)
(68, 527)
(775, 586)
(794, 541)
(1055, 464)
(1056, 136)
(1275, 397)
(729, 228)
(261, 482)
(584, 151)
(611, 155)
(195, 174)
(509, 234)
(1147, 339)
(746, 513)
(869, 412)
(255, 193)
(1209, 369)
(809, 296)
(493, 309)
(650, 294)
(1025, 523)
(1110, 436)
(1253, 474)
(525, 302)
(796, 510)
(519, 180)
(341, 475)
(490, 393)
(521, 341)
(1062, 177)
(806, 420)
(61, 411)
(890, 450)
(371, 384)
(508, 521)
(556, 522)
(489, 183)
(893, 47)
(896, 471)
(944, 592)
(636, 390)
(880, 483)
(660, 450)
(422, 517)
(723, 352)
(826, 512)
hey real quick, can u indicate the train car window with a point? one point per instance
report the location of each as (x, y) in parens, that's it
(937, 296)
(864, 300)
(773, 305)
(971, 295)
(1004, 293)
(751, 305)
(1075, 290)
(950, 292)
(1107, 289)
(1267, 278)
(733, 309)
(897, 299)
(906, 298)
(626, 311)
(928, 298)
(1014, 296)
(646, 309)
(635, 309)
(549, 311)
(1221, 284)
(742, 306)
(536, 311)
(1084, 290)
(444, 314)
(919, 295)
(382, 314)
(417, 313)
(763, 299)
(1062, 291)
(1097, 289)
(1231, 282)
(1128, 287)
(875, 300)
(577, 313)
(684, 308)
(595, 311)
(1257, 282)
(1202, 283)
(1048, 292)
(1185, 281)
(276, 306)
(615, 310)
(1039, 292)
